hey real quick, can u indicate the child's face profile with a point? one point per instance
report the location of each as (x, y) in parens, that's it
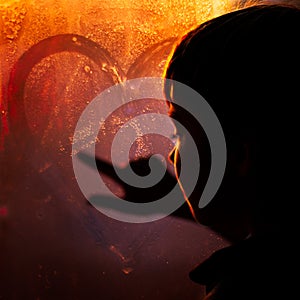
(226, 214)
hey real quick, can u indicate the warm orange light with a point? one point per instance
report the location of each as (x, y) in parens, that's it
(125, 28)
(176, 155)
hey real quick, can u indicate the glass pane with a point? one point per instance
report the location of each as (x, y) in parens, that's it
(56, 56)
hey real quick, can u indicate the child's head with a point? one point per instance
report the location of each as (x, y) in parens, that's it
(246, 65)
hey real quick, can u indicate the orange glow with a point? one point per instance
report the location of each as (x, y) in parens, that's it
(124, 28)
(176, 154)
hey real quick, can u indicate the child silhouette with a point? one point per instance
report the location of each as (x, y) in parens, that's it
(244, 64)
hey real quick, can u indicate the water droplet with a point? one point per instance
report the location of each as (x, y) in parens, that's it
(127, 270)
(87, 69)
(104, 67)
(12, 17)
(45, 167)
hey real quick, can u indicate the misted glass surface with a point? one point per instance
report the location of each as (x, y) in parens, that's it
(56, 56)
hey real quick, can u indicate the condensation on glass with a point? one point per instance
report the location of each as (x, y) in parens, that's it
(56, 56)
